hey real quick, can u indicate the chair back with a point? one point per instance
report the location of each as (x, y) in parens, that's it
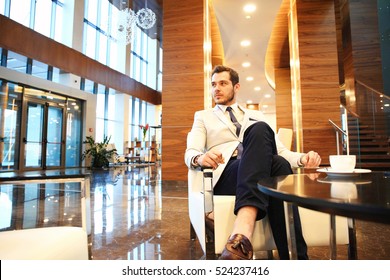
(285, 136)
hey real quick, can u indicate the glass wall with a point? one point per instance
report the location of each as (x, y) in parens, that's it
(74, 128)
(101, 42)
(2, 7)
(145, 59)
(10, 116)
(44, 16)
(98, 39)
(100, 113)
(41, 126)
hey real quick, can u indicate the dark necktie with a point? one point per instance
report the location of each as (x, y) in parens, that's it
(234, 120)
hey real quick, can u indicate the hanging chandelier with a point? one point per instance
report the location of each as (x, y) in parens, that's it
(145, 18)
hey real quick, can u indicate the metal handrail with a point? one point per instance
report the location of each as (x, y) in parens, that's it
(378, 93)
(338, 130)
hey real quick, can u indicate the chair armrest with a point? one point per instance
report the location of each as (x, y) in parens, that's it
(207, 179)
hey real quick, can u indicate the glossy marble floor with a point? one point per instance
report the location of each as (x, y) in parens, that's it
(136, 217)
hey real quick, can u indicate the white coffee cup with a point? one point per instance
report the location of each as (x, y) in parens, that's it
(342, 163)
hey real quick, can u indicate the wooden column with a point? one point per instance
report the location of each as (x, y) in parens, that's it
(316, 95)
(283, 98)
(186, 29)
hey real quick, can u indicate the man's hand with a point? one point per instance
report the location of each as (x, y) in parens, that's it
(311, 160)
(212, 158)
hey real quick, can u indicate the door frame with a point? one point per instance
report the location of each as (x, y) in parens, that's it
(23, 135)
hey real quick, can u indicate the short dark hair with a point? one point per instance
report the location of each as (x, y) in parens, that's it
(233, 74)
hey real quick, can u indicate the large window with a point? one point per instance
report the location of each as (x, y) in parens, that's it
(20, 11)
(16, 62)
(101, 43)
(10, 115)
(44, 16)
(73, 132)
(2, 7)
(97, 27)
(96, 38)
(145, 54)
(100, 113)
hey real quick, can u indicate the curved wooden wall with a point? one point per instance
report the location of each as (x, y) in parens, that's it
(318, 71)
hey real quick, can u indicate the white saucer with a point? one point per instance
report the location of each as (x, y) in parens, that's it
(331, 172)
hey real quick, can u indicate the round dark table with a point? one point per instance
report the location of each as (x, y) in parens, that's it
(363, 196)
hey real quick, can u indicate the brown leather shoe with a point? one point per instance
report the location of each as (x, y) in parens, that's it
(238, 247)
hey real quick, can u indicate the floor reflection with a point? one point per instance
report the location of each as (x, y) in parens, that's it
(136, 217)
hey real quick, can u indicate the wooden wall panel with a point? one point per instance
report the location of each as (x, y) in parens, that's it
(319, 79)
(183, 81)
(320, 93)
(20, 39)
(218, 54)
(283, 98)
(277, 55)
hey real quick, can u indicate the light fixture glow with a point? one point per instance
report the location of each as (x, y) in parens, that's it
(245, 43)
(267, 96)
(249, 78)
(257, 88)
(249, 8)
(246, 64)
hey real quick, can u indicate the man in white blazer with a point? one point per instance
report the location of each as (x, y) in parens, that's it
(241, 149)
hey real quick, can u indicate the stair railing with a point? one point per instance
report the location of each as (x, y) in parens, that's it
(338, 130)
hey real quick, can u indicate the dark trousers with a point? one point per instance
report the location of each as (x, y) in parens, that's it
(260, 160)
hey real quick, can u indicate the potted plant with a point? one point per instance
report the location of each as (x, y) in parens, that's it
(98, 152)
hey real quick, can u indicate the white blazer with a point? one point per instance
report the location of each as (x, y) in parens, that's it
(212, 129)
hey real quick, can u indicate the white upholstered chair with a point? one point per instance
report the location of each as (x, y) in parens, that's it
(48, 243)
(315, 225)
(51, 243)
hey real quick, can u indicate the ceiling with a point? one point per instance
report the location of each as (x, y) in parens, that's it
(236, 25)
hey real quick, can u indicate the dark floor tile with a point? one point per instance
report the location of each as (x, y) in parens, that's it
(136, 217)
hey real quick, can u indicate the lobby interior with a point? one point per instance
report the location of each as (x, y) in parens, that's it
(140, 212)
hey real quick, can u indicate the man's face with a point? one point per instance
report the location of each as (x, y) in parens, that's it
(223, 91)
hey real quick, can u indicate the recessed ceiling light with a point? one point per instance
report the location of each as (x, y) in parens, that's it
(265, 106)
(246, 64)
(249, 78)
(257, 88)
(249, 102)
(249, 8)
(245, 43)
(267, 96)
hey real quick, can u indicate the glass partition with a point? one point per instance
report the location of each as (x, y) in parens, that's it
(369, 128)
(10, 115)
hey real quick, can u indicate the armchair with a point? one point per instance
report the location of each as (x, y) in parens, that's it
(315, 225)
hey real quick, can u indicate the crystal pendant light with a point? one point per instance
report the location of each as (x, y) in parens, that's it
(145, 18)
